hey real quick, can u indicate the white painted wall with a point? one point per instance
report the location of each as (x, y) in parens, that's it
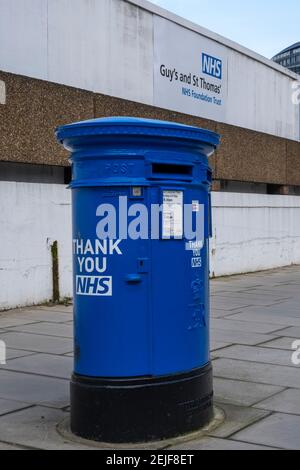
(251, 232)
(116, 47)
(104, 46)
(31, 216)
(254, 232)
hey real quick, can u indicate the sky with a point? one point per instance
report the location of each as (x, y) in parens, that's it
(265, 26)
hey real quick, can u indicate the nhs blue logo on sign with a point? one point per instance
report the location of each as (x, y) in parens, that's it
(212, 66)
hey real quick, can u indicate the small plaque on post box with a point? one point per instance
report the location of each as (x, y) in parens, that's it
(172, 214)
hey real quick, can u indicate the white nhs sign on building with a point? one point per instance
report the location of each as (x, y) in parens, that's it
(212, 66)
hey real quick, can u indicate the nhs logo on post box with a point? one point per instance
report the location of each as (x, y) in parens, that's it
(94, 285)
(211, 66)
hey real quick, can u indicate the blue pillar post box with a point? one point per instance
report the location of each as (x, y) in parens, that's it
(141, 228)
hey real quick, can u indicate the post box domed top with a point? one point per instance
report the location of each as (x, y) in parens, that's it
(96, 130)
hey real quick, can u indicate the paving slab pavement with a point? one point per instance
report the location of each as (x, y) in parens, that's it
(239, 393)
(287, 402)
(43, 365)
(209, 443)
(9, 406)
(257, 316)
(239, 337)
(62, 330)
(278, 430)
(254, 354)
(237, 418)
(37, 342)
(248, 371)
(9, 447)
(284, 343)
(255, 321)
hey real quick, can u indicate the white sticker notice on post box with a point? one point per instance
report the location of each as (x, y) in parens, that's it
(172, 214)
(195, 206)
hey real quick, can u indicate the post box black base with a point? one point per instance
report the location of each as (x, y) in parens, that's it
(141, 409)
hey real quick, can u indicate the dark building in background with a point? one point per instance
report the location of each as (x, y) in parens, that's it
(290, 58)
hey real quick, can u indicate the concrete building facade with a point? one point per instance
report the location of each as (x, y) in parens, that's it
(79, 59)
